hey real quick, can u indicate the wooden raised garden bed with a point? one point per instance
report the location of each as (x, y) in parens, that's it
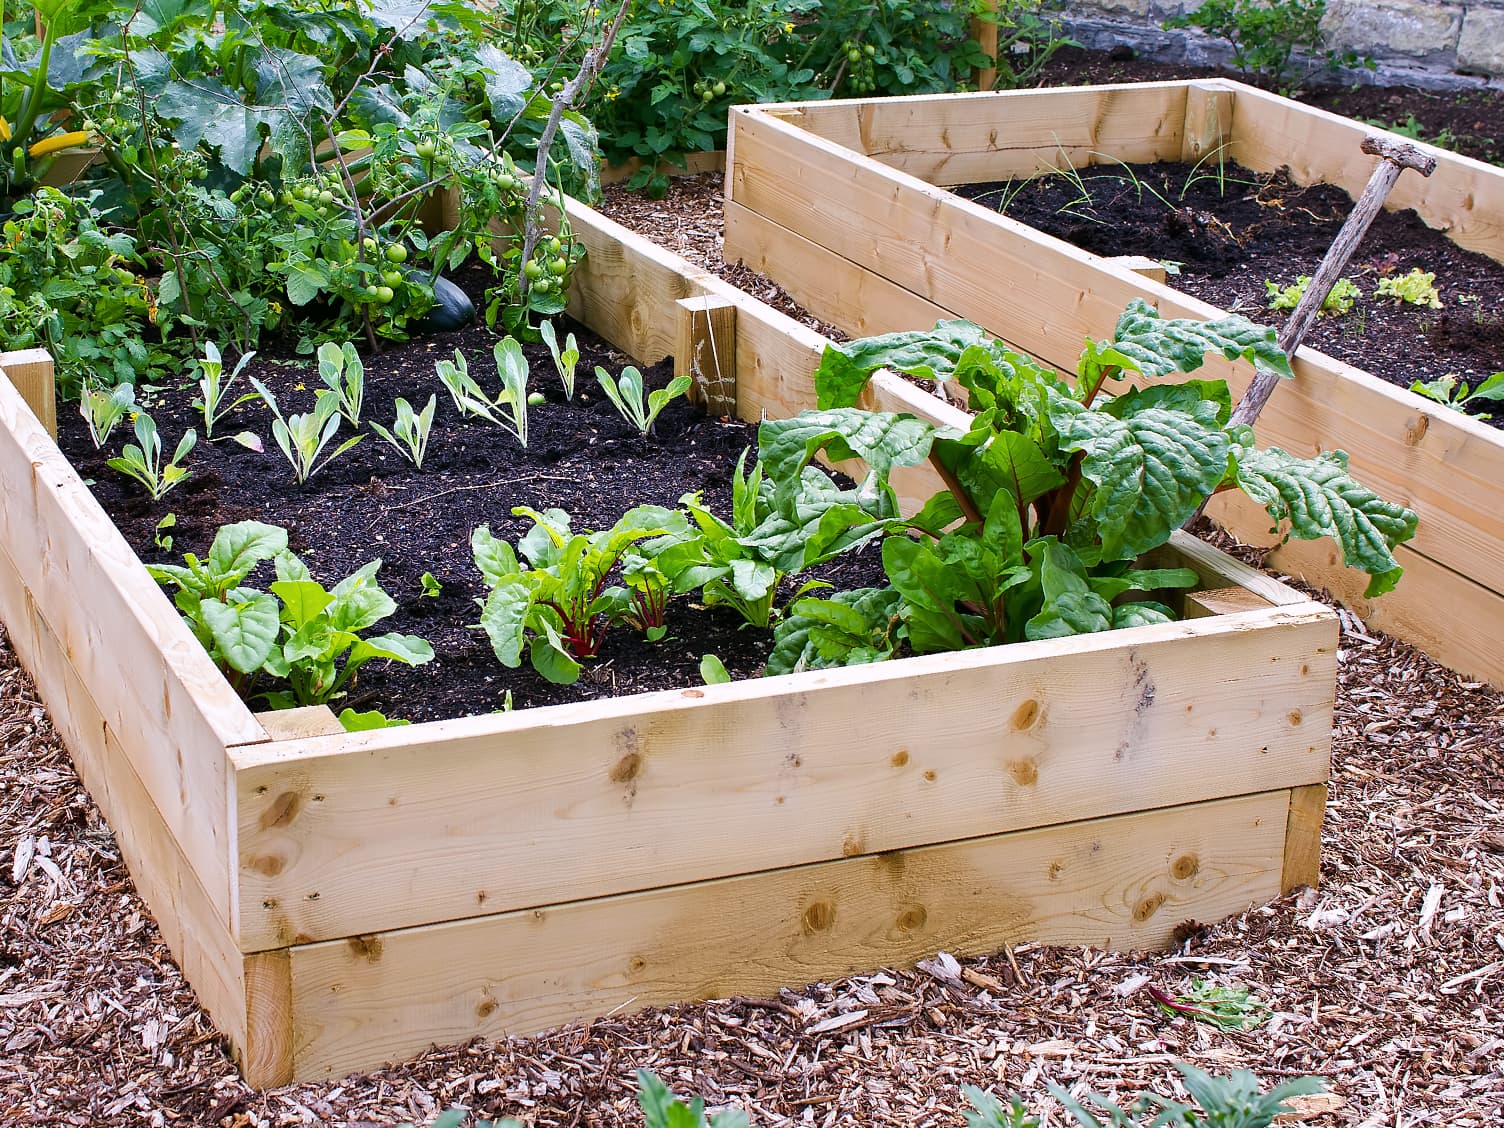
(342, 900)
(838, 202)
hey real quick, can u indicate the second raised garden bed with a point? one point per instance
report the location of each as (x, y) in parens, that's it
(838, 202)
(338, 900)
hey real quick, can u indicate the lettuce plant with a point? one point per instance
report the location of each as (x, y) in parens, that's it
(307, 636)
(1058, 485)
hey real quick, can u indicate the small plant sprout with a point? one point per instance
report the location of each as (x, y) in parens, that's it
(303, 438)
(102, 409)
(345, 376)
(214, 389)
(713, 671)
(162, 538)
(565, 359)
(1456, 393)
(1417, 288)
(144, 462)
(626, 395)
(409, 433)
(509, 408)
(431, 586)
(1229, 1008)
(1340, 301)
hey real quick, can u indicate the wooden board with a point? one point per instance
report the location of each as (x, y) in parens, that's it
(975, 138)
(1463, 197)
(190, 920)
(169, 708)
(1123, 882)
(31, 371)
(352, 834)
(1045, 296)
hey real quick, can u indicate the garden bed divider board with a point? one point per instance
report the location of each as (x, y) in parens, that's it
(340, 900)
(837, 202)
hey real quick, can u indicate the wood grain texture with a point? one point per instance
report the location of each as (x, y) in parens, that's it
(31, 372)
(365, 832)
(974, 138)
(705, 351)
(267, 1053)
(1045, 296)
(1123, 882)
(168, 707)
(1302, 865)
(1464, 197)
(191, 923)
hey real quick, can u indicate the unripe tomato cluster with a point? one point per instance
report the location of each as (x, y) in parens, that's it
(861, 64)
(545, 271)
(709, 89)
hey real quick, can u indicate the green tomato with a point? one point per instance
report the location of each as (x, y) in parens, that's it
(553, 245)
(396, 253)
(384, 295)
(869, 50)
(265, 198)
(718, 89)
(853, 56)
(425, 149)
(368, 243)
(326, 197)
(543, 286)
(536, 399)
(506, 183)
(392, 278)
(533, 269)
(373, 291)
(708, 96)
(558, 267)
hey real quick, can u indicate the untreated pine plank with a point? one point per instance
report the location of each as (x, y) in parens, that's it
(1463, 197)
(974, 138)
(1302, 863)
(706, 351)
(1122, 882)
(191, 924)
(167, 705)
(31, 371)
(518, 810)
(1045, 297)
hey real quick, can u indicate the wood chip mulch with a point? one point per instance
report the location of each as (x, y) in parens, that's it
(1388, 980)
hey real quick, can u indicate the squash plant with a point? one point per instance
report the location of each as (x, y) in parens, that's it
(1058, 486)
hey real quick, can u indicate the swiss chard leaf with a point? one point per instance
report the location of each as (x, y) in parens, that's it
(929, 354)
(847, 628)
(880, 439)
(1319, 498)
(1146, 343)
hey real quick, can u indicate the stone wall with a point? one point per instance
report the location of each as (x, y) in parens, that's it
(1433, 43)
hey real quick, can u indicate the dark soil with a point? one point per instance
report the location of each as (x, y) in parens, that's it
(1229, 230)
(582, 457)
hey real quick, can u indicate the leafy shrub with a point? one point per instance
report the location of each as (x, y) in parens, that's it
(1268, 35)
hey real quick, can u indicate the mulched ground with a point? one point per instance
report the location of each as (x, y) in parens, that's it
(1387, 980)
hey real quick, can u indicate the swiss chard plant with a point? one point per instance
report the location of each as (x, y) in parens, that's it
(552, 596)
(307, 637)
(1059, 485)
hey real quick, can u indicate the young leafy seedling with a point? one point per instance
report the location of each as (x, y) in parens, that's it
(1455, 393)
(143, 462)
(409, 433)
(553, 600)
(565, 359)
(660, 1109)
(1416, 288)
(1338, 301)
(342, 372)
(626, 396)
(430, 585)
(214, 390)
(162, 535)
(302, 438)
(509, 408)
(102, 409)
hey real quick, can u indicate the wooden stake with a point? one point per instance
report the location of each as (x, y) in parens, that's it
(984, 31)
(705, 349)
(1394, 158)
(31, 371)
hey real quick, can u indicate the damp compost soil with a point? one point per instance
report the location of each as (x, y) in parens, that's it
(370, 502)
(1228, 230)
